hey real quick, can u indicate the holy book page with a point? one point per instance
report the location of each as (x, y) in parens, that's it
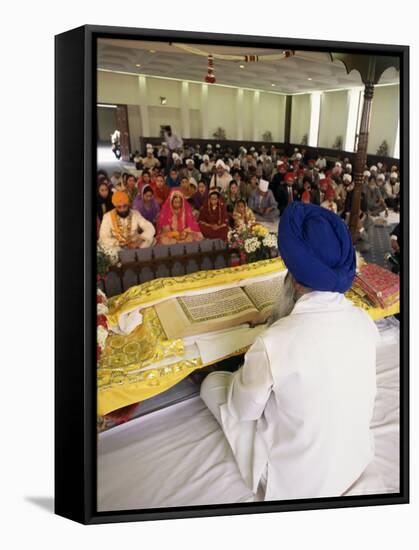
(264, 294)
(218, 310)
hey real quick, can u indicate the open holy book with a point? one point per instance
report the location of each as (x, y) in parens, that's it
(218, 310)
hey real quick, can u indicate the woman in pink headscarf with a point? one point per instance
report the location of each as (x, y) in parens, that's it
(176, 222)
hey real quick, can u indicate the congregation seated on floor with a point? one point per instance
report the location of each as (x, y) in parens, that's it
(184, 196)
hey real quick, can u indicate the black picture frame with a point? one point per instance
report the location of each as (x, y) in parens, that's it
(75, 281)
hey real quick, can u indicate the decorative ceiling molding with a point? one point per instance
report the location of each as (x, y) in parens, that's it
(245, 58)
(369, 67)
(303, 72)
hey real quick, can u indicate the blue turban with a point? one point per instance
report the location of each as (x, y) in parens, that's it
(316, 247)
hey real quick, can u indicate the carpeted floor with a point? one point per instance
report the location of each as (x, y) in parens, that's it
(380, 244)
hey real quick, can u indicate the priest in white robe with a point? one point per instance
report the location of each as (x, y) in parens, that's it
(297, 413)
(124, 227)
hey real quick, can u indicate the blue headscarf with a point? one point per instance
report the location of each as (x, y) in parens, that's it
(316, 247)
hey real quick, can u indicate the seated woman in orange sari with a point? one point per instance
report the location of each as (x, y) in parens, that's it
(176, 222)
(213, 219)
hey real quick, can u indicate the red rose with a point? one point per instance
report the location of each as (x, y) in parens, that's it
(101, 320)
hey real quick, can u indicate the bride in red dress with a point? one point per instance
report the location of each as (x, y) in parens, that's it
(176, 222)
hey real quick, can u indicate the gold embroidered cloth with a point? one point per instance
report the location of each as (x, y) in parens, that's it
(127, 371)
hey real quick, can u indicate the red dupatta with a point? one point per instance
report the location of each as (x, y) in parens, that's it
(161, 193)
(176, 221)
(211, 216)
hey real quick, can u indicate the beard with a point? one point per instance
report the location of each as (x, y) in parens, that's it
(123, 214)
(286, 300)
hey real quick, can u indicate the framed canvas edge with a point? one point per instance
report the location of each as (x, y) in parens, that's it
(87, 513)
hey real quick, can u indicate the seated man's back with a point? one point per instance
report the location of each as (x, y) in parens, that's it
(297, 414)
(317, 419)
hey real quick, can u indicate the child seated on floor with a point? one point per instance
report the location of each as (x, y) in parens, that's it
(242, 215)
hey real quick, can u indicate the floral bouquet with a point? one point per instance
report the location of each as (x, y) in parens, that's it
(105, 258)
(252, 243)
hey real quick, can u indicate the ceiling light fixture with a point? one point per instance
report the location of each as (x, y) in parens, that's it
(241, 66)
(273, 84)
(137, 65)
(152, 51)
(309, 79)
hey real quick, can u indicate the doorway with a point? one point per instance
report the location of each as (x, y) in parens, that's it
(110, 118)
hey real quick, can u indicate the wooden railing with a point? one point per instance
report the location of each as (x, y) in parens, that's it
(144, 264)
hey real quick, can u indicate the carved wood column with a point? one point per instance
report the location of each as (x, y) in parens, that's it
(361, 158)
(370, 68)
(287, 129)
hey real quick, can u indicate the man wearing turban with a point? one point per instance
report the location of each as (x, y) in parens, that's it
(123, 227)
(263, 204)
(297, 413)
(221, 179)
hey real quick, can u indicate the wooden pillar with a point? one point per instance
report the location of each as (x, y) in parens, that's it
(287, 129)
(370, 67)
(361, 159)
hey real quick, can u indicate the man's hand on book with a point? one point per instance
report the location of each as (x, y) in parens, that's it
(254, 324)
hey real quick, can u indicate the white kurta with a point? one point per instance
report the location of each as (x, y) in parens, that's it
(302, 403)
(222, 182)
(139, 225)
(391, 191)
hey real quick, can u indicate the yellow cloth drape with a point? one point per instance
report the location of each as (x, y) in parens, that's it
(125, 373)
(166, 287)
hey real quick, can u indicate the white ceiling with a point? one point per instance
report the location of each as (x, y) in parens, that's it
(289, 75)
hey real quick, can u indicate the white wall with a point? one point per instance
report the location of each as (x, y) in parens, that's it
(384, 118)
(300, 117)
(194, 95)
(248, 115)
(272, 115)
(163, 115)
(221, 107)
(333, 117)
(195, 121)
(117, 88)
(334, 113)
(222, 110)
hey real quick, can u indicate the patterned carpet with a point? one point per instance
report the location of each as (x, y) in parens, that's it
(380, 245)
